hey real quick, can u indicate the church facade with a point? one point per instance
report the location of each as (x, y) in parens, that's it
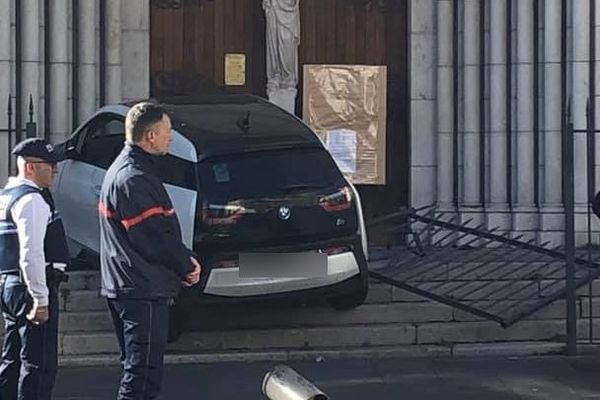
(476, 89)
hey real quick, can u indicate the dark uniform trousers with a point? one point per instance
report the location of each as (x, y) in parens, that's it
(29, 353)
(142, 330)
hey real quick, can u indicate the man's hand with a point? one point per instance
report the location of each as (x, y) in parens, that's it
(38, 314)
(193, 277)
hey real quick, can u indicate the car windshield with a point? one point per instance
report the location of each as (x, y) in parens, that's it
(268, 174)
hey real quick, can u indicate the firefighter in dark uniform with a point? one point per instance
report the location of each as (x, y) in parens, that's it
(33, 255)
(144, 263)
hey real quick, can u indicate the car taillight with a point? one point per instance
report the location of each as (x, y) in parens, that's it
(330, 251)
(222, 214)
(338, 201)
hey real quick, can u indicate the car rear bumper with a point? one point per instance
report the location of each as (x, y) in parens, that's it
(226, 281)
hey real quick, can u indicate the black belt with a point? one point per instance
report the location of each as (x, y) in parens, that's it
(11, 273)
(52, 274)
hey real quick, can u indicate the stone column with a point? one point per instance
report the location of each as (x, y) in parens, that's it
(471, 201)
(113, 51)
(498, 207)
(59, 71)
(423, 103)
(597, 97)
(552, 220)
(31, 67)
(445, 106)
(579, 95)
(525, 216)
(5, 80)
(135, 49)
(88, 64)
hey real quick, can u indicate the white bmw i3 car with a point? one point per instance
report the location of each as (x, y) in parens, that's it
(244, 177)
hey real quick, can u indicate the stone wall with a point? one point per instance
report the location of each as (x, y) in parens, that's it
(127, 54)
(491, 186)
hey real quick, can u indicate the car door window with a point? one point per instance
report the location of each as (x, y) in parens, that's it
(103, 138)
(102, 141)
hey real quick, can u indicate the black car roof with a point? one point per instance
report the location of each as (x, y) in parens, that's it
(231, 123)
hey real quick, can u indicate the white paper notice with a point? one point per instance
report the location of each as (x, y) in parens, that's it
(341, 143)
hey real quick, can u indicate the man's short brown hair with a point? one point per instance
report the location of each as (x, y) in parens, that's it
(140, 117)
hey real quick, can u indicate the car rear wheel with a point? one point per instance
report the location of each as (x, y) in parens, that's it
(353, 299)
(350, 300)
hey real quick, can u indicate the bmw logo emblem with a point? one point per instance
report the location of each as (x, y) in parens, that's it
(284, 213)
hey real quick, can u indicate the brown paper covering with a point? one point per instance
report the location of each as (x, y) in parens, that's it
(350, 97)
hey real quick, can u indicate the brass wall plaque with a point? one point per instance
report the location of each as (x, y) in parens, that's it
(235, 69)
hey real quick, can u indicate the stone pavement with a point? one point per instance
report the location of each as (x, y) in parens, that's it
(545, 377)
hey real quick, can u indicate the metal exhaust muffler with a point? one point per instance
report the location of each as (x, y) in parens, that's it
(283, 383)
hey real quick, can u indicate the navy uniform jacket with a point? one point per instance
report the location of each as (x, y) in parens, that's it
(141, 251)
(35, 240)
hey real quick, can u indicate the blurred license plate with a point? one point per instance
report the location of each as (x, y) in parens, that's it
(282, 265)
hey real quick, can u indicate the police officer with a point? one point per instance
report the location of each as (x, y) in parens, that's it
(33, 255)
(144, 262)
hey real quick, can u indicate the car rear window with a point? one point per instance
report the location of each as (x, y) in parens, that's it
(176, 171)
(268, 173)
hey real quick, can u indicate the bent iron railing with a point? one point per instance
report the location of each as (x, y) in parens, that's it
(482, 271)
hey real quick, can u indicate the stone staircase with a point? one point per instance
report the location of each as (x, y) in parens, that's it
(392, 320)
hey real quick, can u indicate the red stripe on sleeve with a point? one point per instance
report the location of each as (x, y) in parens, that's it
(128, 223)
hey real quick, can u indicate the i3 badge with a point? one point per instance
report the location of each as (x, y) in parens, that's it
(284, 213)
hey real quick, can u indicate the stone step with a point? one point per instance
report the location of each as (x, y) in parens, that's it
(300, 317)
(383, 293)
(354, 336)
(82, 291)
(500, 349)
(303, 317)
(436, 270)
(493, 290)
(81, 300)
(487, 331)
(90, 299)
(90, 279)
(87, 321)
(555, 310)
(416, 308)
(82, 280)
(263, 339)
(378, 292)
(385, 304)
(243, 317)
(418, 312)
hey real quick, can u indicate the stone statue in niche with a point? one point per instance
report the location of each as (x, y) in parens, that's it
(282, 38)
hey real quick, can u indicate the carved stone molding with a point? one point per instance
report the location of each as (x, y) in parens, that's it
(176, 4)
